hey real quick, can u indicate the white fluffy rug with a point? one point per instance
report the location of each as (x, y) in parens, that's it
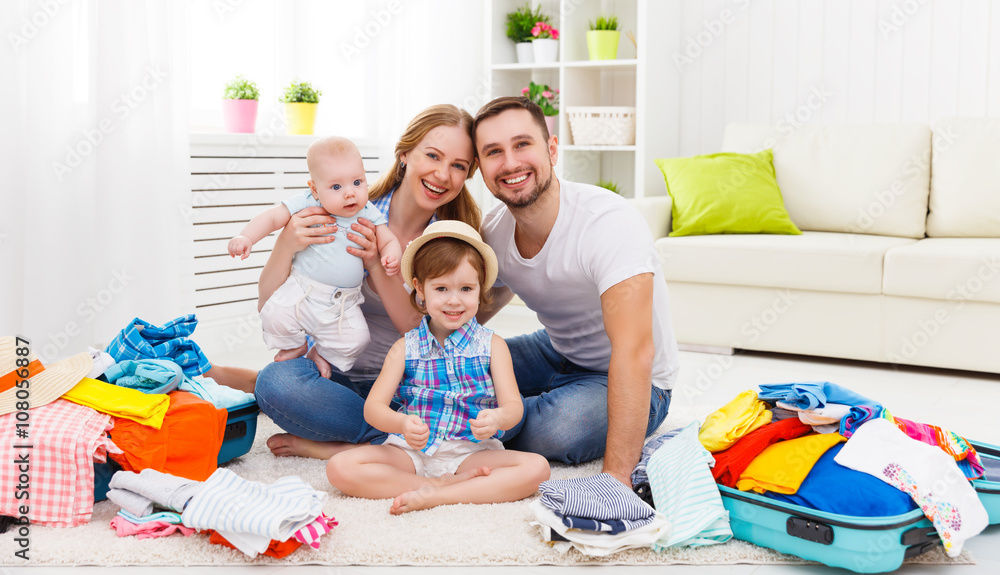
(369, 535)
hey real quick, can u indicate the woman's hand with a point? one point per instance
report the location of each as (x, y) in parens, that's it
(298, 234)
(363, 234)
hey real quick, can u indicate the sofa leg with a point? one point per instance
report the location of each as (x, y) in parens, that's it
(698, 348)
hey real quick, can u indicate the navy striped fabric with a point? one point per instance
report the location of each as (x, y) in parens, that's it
(601, 497)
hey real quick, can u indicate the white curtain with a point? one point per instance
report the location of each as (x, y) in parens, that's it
(95, 169)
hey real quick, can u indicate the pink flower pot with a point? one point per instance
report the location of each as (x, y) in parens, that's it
(239, 115)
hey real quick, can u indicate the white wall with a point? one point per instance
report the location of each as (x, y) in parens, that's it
(831, 62)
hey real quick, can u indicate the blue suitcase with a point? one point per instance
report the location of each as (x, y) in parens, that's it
(861, 544)
(241, 429)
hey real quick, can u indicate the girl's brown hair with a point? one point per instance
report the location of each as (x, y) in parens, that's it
(463, 207)
(442, 256)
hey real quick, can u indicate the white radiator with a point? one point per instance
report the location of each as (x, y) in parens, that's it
(233, 178)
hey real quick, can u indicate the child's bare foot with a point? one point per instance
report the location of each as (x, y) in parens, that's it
(425, 497)
(286, 445)
(286, 354)
(322, 365)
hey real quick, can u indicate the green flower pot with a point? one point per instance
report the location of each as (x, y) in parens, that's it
(603, 44)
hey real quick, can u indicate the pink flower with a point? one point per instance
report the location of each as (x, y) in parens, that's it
(555, 33)
(536, 30)
(547, 94)
(557, 90)
(524, 90)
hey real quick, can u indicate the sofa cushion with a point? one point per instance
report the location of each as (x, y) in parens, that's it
(871, 179)
(819, 261)
(965, 186)
(956, 269)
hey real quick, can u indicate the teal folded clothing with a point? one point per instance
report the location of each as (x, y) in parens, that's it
(166, 516)
(220, 396)
(146, 375)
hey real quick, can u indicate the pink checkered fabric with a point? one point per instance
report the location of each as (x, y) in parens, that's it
(66, 439)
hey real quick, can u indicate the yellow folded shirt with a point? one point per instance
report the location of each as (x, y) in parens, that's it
(782, 467)
(732, 421)
(145, 408)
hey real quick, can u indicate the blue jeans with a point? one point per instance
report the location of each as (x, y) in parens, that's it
(565, 405)
(302, 402)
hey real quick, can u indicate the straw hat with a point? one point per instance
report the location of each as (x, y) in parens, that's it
(450, 229)
(46, 384)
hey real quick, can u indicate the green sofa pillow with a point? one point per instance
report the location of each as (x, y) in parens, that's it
(725, 194)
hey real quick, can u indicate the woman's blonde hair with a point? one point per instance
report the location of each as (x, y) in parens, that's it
(463, 207)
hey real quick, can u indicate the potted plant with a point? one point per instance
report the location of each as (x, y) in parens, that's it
(602, 39)
(300, 100)
(545, 43)
(609, 185)
(239, 105)
(519, 25)
(547, 99)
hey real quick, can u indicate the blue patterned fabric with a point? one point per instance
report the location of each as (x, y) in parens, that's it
(812, 394)
(601, 497)
(447, 386)
(143, 340)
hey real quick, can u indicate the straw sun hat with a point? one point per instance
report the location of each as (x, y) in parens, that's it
(450, 229)
(46, 384)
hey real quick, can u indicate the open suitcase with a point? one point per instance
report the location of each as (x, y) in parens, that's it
(861, 544)
(241, 428)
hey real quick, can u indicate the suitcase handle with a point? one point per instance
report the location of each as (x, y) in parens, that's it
(809, 530)
(919, 535)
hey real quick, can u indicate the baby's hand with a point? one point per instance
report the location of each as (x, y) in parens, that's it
(240, 246)
(391, 264)
(415, 432)
(486, 424)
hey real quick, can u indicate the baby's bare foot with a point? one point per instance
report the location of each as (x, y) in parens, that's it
(287, 354)
(322, 365)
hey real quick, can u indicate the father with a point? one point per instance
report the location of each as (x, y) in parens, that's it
(596, 380)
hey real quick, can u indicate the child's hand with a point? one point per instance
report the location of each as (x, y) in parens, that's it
(391, 264)
(240, 246)
(415, 432)
(486, 424)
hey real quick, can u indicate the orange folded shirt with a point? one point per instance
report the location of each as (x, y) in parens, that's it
(276, 549)
(187, 445)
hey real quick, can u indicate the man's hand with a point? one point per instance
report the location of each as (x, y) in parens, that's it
(486, 424)
(627, 479)
(415, 432)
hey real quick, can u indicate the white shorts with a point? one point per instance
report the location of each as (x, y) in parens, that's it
(449, 455)
(331, 315)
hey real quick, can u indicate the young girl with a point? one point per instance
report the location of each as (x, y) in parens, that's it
(455, 381)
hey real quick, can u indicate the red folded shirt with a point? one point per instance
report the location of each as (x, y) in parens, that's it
(730, 463)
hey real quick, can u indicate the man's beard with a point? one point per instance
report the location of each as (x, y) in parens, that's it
(526, 201)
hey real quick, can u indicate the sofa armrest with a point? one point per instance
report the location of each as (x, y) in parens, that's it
(657, 211)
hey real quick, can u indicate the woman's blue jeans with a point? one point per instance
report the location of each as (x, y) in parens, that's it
(565, 406)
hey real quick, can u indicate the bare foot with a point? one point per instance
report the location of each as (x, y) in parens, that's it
(321, 364)
(291, 353)
(424, 498)
(286, 444)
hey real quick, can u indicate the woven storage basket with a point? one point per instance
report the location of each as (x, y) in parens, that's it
(602, 125)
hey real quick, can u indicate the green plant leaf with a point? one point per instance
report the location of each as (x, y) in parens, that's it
(521, 21)
(301, 92)
(604, 23)
(241, 89)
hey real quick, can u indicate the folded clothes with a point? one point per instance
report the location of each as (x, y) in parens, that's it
(311, 534)
(594, 543)
(148, 530)
(600, 497)
(166, 516)
(160, 489)
(639, 473)
(860, 414)
(833, 488)
(144, 408)
(829, 414)
(276, 549)
(783, 466)
(146, 375)
(730, 463)
(950, 442)
(143, 340)
(218, 395)
(812, 394)
(102, 361)
(723, 427)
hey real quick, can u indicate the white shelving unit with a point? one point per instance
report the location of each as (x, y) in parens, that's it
(631, 80)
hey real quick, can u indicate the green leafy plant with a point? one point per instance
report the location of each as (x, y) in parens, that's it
(545, 97)
(604, 23)
(301, 92)
(241, 89)
(609, 185)
(521, 21)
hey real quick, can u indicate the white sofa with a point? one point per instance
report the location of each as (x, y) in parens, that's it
(898, 262)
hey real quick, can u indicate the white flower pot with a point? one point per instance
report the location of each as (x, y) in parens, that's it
(546, 50)
(525, 52)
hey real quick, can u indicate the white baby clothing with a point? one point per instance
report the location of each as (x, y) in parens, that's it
(448, 456)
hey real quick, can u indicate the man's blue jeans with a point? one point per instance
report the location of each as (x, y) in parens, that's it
(565, 405)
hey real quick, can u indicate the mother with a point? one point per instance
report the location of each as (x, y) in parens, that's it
(433, 159)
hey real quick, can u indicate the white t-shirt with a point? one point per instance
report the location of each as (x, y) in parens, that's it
(598, 240)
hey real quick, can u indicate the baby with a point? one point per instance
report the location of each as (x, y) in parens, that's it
(322, 296)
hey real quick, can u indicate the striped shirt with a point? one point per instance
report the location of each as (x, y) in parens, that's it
(601, 498)
(684, 491)
(447, 386)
